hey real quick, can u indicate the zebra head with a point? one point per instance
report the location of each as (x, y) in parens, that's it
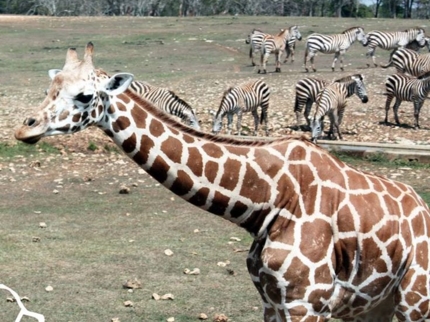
(360, 88)
(217, 123)
(421, 37)
(295, 33)
(365, 40)
(361, 36)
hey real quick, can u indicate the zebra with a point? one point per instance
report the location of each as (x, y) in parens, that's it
(332, 101)
(407, 61)
(307, 90)
(329, 44)
(255, 39)
(167, 101)
(241, 99)
(276, 45)
(406, 88)
(392, 40)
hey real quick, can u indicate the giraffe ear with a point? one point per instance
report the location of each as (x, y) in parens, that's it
(118, 83)
(53, 72)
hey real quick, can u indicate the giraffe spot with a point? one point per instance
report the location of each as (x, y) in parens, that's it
(371, 259)
(188, 138)
(121, 106)
(211, 170)
(111, 109)
(76, 118)
(255, 220)
(268, 163)
(270, 284)
(377, 286)
(319, 297)
(109, 133)
(129, 144)
(173, 148)
(219, 204)
(146, 144)
(121, 124)
(159, 169)
(200, 197)
(330, 201)
(316, 237)
(65, 128)
(274, 258)
(63, 115)
(305, 177)
(297, 274)
(195, 161)
(212, 150)
(156, 128)
(286, 198)
(254, 188)
(359, 301)
(139, 118)
(388, 230)
(356, 180)
(238, 150)
(421, 254)
(230, 176)
(328, 168)
(282, 230)
(182, 184)
(239, 209)
(368, 207)
(75, 128)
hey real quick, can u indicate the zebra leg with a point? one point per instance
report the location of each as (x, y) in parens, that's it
(263, 118)
(239, 122)
(278, 61)
(341, 54)
(229, 122)
(336, 56)
(396, 110)
(256, 121)
(263, 60)
(312, 63)
(251, 55)
(371, 53)
(417, 108)
(387, 107)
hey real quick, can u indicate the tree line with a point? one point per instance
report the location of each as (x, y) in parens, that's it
(419, 9)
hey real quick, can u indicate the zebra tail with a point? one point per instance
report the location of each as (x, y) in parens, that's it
(306, 54)
(389, 64)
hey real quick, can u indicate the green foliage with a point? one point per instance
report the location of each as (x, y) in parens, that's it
(8, 150)
(92, 146)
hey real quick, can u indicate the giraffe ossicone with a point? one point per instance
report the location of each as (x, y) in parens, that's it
(330, 241)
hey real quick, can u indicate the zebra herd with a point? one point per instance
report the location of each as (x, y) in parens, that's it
(411, 83)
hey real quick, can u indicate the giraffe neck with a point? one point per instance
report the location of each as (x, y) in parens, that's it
(213, 176)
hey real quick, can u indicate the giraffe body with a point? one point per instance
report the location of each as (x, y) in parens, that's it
(330, 241)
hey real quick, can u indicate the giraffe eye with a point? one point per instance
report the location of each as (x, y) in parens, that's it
(85, 99)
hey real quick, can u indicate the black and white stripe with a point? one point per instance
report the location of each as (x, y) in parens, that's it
(307, 90)
(241, 99)
(290, 49)
(254, 39)
(332, 101)
(392, 40)
(408, 61)
(336, 44)
(406, 88)
(167, 101)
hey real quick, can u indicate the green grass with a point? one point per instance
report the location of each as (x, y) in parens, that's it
(9, 150)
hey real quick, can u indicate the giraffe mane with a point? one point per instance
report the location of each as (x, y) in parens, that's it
(170, 121)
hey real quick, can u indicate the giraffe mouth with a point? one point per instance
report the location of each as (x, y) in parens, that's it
(29, 140)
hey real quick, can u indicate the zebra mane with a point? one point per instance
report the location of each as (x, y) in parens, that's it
(425, 75)
(170, 121)
(348, 78)
(415, 29)
(350, 29)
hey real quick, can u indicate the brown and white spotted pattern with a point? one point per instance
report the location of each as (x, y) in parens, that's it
(330, 240)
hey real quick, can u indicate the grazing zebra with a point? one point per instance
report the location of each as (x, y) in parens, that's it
(241, 99)
(167, 101)
(307, 90)
(407, 61)
(415, 45)
(276, 45)
(406, 88)
(332, 101)
(254, 39)
(392, 40)
(336, 44)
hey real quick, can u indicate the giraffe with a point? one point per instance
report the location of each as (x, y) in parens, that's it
(330, 241)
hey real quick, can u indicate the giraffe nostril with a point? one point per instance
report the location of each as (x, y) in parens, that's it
(30, 121)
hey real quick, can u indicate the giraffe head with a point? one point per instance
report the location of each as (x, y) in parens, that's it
(75, 99)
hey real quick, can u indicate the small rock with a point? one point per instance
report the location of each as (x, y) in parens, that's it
(168, 252)
(220, 318)
(132, 284)
(203, 316)
(124, 190)
(171, 319)
(36, 239)
(156, 297)
(49, 288)
(167, 296)
(42, 225)
(128, 304)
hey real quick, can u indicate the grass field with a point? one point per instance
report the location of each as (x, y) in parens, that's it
(96, 238)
